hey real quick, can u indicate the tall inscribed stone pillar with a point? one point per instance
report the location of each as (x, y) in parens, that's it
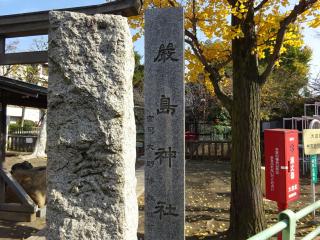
(91, 129)
(164, 124)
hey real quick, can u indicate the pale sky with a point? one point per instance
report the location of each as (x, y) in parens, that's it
(312, 39)
(312, 36)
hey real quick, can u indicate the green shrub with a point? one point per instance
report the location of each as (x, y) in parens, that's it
(13, 127)
(27, 126)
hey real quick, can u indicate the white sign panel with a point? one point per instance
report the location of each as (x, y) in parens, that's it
(311, 141)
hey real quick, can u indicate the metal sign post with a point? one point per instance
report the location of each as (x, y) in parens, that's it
(314, 178)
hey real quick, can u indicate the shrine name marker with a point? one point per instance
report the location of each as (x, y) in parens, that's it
(164, 124)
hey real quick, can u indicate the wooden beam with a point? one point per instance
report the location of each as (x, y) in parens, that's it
(24, 29)
(26, 88)
(2, 52)
(40, 102)
(16, 207)
(37, 23)
(2, 191)
(2, 46)
(3, 138)
(3, 131)
(22, 93)
(16, 187)
(33, 104)
(17, 216)
(24, 58)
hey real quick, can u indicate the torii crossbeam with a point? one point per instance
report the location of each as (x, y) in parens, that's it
(37, 23)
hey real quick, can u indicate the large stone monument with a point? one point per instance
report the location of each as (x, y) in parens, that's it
(91, 129)
(164, 124)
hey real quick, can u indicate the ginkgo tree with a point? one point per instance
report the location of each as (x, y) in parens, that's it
(240, 32)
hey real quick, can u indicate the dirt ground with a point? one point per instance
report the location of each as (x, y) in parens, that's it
(208, 199)
(16, 157)
(207, 203)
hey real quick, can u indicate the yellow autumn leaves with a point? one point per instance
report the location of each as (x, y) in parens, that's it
(210, 21)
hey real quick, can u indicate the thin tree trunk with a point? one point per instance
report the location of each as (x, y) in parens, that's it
(246, 212)
(23, 117)
(40, 147)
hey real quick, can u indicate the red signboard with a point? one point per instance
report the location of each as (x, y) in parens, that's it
(282, 165)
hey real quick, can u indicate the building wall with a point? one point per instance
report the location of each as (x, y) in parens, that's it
(15, 112)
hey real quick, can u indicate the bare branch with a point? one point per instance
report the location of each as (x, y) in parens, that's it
(291, 18)
(213, 72)
(173, 3)
(194, 20)
(195, 45)
(260, 5)
(225, 99)
(314, 84)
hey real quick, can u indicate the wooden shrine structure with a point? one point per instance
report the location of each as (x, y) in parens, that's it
(13, 92)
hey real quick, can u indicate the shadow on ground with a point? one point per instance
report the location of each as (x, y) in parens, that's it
(220, 236)
(13, 230)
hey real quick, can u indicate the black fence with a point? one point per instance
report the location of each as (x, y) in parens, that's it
(204, 148)
(21, 143)
(209, 150)
(207, 131)
(20, 131)
(213, 142)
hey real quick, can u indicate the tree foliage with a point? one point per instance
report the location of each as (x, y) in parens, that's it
(208, 21)
(287, 85)
(138, 71)
(286, 88)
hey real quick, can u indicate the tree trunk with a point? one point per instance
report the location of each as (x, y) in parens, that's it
(23, 115)
(246, 212)
(40, 148)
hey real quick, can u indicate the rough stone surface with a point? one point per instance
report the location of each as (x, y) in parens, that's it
(91, 129)
(164, 124)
